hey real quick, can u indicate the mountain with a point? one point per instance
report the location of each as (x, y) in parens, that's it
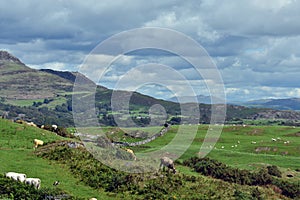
(21, 82)
(45, 97)
(198, 99)
(278, 104)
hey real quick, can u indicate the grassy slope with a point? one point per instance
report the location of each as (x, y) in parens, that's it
(244, 155)
(21, 82)
(16, 147)
(16, 154)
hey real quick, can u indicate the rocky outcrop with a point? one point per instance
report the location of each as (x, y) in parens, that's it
(5, 56)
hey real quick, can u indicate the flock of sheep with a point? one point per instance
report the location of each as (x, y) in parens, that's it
(36, 182)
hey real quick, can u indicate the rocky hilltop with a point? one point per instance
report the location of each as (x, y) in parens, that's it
(21, 82)
(5, 56)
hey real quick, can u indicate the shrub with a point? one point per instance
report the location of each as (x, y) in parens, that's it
(219, 170)
(274, 171)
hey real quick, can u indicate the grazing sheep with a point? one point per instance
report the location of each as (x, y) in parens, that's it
(131, 152)
(286, 142)
(167, 162)
(92, 199)
(253, 142)
(36, 182)
(222, 147)
(274, 140)
(54, 127)
(16, 176)
(31, 124)
(37, 143)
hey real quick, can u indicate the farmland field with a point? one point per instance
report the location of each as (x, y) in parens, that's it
(18, 155)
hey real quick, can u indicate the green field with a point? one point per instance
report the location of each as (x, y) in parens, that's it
(245, 154)
(17, 154)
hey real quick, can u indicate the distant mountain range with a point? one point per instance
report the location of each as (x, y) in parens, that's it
(278, 104)
(197, 99)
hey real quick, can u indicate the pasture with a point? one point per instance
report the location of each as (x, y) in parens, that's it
(17, 154)
(235, 147)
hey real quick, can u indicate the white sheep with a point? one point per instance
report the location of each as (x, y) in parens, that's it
(37, 143)
(36, 182)
(16, 176)
(54, 127)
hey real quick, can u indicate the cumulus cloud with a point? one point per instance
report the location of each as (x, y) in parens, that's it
(255, 44)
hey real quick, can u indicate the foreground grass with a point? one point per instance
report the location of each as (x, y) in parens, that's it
(77, 173)
(17, 154)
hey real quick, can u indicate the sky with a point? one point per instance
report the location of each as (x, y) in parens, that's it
(255, 45)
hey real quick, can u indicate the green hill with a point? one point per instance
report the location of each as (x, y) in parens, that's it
(80, 175)
(21, 82)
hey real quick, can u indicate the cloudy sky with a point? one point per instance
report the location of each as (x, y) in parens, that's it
(255, 44)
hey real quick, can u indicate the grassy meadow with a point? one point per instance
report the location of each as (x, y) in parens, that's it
(234, 148)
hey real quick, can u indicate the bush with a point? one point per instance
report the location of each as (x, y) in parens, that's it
(219, 170)
(274, 171)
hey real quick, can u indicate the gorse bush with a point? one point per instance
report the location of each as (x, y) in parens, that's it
(216, 169)
(274, 171)
(159, 185)
(84, 166)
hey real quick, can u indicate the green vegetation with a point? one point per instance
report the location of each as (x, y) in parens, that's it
(82, 176)
(10, 189)
(219, 170)
(16, 149)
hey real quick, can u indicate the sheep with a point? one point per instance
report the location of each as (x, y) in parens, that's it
(37, 143)
(92, 199)
(274, 140)
(36, 182)
(54, 127)
(31, 124)
(222, 147)
(16, 176)
(167, 162)
(253, 142)
(131, 152)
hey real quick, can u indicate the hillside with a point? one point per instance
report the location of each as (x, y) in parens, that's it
(45, 96)
(21, 82)
(82, 176)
